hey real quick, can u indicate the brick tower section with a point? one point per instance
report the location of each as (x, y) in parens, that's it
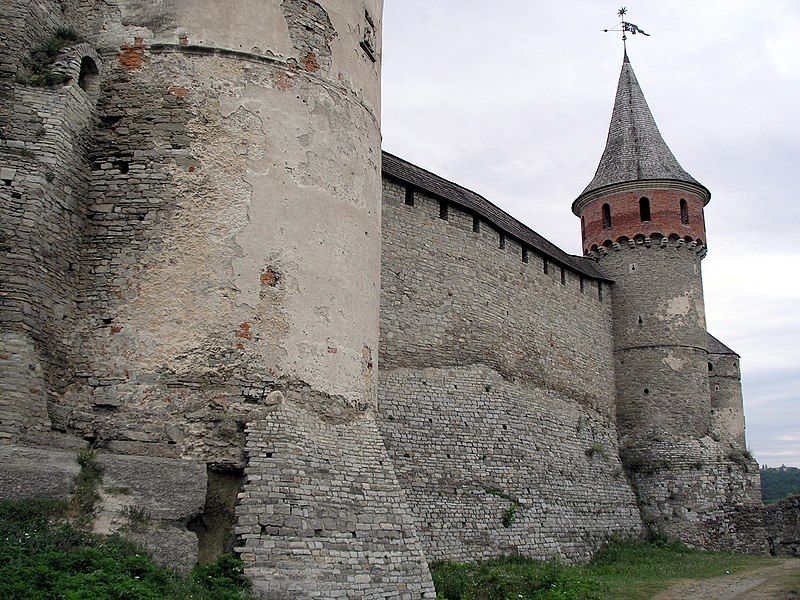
(642, 220)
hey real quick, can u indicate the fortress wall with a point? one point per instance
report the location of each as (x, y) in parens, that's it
(451, 296)
(229, 273)
(496, 392)
(43, 181)
(727, 409)
(705, 493)
(692, 485)
(782, 523)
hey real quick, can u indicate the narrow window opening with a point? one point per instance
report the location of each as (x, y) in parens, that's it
(606, 216)
(600, 291)
(502, 240)
(646, 391)
(87, 78)
(443, 210)
(582, 284)
(476, 223)
(644, 209)
(563, 276)
(710, 367)
(544, 266)
(409, 196)
(525, 255)
(684, 212)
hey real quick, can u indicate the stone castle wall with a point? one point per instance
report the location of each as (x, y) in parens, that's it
(43, 182)
(692, 484)
(198, 278)
(725, 387)
(496, 390)
(192, 267)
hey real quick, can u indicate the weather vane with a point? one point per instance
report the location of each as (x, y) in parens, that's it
(625, 27)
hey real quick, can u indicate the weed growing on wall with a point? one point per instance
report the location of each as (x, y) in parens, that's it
(509, 516)
(596, 450)
(38, 63)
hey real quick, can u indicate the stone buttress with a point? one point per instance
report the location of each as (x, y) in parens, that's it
(642, 220)
(192, 277)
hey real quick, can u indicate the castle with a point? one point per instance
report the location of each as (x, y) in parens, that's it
(288, 344)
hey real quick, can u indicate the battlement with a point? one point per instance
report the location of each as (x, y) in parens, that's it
(654, 240)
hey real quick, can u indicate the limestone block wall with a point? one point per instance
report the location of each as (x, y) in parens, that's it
(225, 228)
(344, 529)
(725, 387)
(43, 180)
(496, 391)
(453, 296)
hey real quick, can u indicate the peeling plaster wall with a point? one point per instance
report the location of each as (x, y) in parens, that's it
(496, 392)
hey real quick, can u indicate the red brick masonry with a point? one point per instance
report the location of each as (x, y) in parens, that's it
(665, 217)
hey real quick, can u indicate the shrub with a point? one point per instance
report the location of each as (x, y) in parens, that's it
(41, 556)
(37, 63)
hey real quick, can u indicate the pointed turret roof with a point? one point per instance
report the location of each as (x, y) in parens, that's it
(635, 150)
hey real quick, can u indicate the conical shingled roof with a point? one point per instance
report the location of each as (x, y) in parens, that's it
(635, 150)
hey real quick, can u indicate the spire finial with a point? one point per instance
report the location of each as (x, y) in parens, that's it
(626, 28)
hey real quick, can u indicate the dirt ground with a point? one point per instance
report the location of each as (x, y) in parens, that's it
(781, 582)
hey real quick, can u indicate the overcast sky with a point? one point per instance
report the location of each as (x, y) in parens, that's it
(512, 99)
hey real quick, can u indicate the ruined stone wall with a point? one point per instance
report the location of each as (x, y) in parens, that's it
(496, 391)
(43, 182)
(782, 523)
(727, 404)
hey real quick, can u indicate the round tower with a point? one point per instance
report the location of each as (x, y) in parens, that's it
(642, 220)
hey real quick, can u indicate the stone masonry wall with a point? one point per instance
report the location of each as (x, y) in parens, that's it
(214, 242)
(727, 405)
(496, 391)
(692, 485)
(43, 181)
(782, 522)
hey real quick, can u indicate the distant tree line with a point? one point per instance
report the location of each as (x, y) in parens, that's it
(779, 482)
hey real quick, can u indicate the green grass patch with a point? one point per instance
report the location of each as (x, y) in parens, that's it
(85, 494)
(623, 571)
(44, 557)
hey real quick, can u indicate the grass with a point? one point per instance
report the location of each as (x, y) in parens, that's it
(43, 557)
(621, 571)
(85, 494)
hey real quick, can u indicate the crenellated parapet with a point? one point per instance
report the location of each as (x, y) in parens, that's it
(654, 240)
(672, 209)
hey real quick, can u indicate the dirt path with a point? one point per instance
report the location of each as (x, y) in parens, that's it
(768, 583)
